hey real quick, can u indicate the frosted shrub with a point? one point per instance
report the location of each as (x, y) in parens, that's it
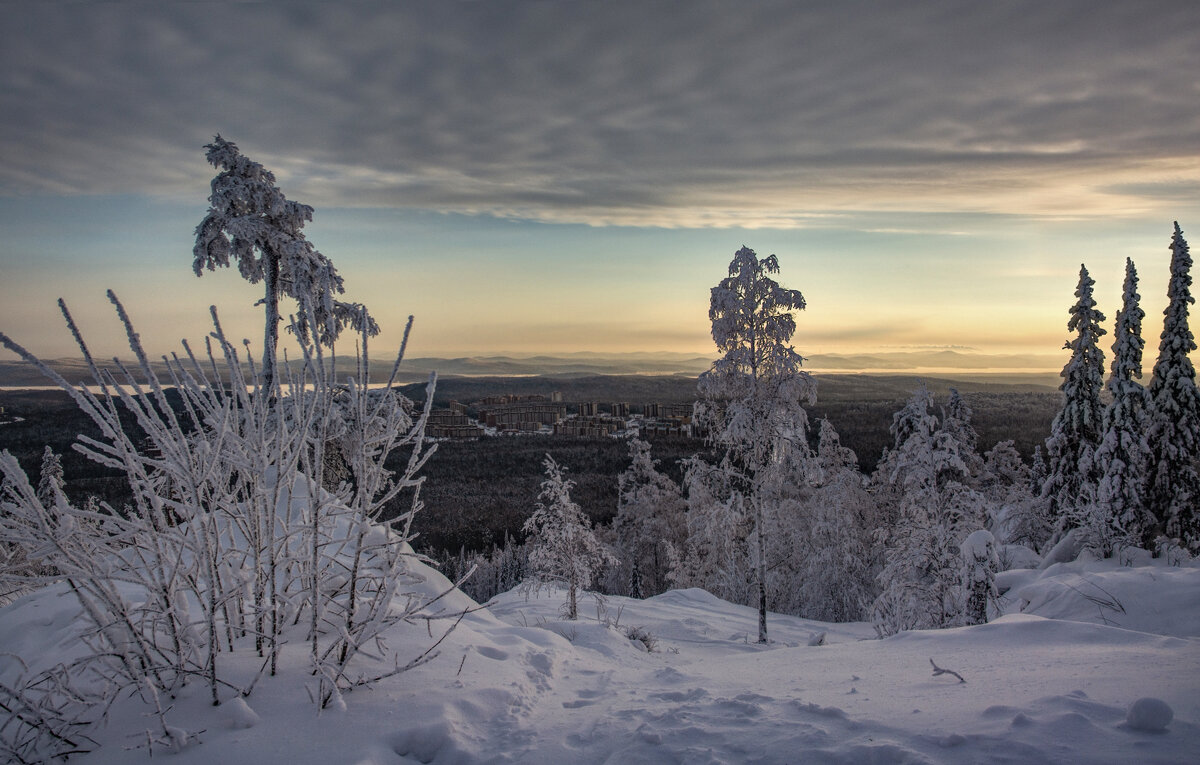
(229, 544)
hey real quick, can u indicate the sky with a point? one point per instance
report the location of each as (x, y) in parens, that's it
(529, 177)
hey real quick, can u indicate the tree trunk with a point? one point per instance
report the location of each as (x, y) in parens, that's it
(761, 574)
(271, 331)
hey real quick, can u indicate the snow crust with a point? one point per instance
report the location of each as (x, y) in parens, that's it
(517, 684)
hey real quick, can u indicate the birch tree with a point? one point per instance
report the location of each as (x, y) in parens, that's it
(753, 395)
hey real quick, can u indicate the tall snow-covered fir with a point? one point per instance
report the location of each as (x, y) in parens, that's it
(1120, 516)
(1075, 434)
(753, 395)
(1173, 439)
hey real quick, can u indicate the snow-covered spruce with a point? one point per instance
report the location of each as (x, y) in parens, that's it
(51, 481)
(562, 547)
(1173, 439)
(1070, 486)
(229, 545)
(1119, 517)
(752, 396)
(956, 423)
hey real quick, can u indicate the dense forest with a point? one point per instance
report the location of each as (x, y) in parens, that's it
(476, 491)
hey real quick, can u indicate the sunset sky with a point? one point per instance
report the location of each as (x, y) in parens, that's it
(538, 177)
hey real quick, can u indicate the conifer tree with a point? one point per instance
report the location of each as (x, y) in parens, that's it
(251, 221)
(1120, 515)
(1038, 470)
(753, 394)
(563, 547)
(1075, 433)
(956, 421)
(51, 482)
(1173, 439)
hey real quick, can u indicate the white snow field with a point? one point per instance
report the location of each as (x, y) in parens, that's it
(515, 684)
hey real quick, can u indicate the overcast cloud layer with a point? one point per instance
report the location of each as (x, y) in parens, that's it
(675, 114)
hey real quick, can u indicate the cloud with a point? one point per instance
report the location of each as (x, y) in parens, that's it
(766, 115)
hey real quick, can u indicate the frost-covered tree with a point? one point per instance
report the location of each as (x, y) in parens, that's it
(752, 396)
(834, 567)
(1075, 434)
(251, 221)
(956, 422)
(716, 552)
(1173, 439)
(1005, 486)
(1030, 523)
(979, 564)
(920, 576)
(51, 482)
(1120, 516)
(649, 524)
(562, 546)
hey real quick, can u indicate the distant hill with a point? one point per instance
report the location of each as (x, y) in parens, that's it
(949, 364)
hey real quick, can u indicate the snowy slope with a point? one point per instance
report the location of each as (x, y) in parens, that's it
(516, 684)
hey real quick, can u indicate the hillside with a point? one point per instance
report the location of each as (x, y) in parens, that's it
(514, 684)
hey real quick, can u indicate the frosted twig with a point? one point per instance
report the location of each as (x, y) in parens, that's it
(939, 671)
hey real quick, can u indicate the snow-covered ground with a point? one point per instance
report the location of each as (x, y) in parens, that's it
(516, 684)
